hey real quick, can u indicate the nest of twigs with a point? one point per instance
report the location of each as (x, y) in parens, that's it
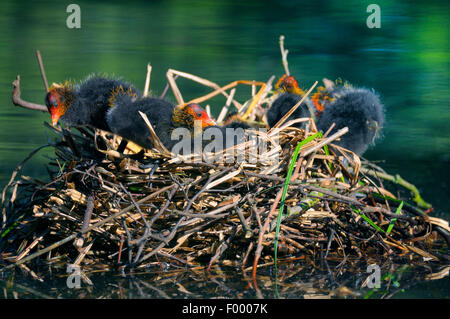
(243, 207)
(106, 209)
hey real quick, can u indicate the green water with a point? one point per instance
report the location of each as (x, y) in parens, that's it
(406, 61)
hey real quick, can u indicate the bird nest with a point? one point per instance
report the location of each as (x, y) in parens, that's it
(105, 209)
(301, 197)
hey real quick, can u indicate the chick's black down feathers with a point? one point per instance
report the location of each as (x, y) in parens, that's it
(91, 100)
(98, 89)
(357, 108)
(124, 120)
(282, 105)
(227, 135)
(360, 110)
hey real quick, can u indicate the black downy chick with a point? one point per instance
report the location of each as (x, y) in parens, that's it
(228, 135)
(87, 103)
(124, 119)
(290, 95)
(113, 105)
(359, 109)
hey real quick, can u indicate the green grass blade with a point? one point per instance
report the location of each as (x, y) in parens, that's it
(283, 195)
(368, 220)
(397, 201)
(391, 224)
(327, 152)
(10, 228)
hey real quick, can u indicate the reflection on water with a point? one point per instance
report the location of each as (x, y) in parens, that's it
(406, 61)
(295, 280)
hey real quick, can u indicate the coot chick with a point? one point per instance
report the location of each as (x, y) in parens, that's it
(88, 102)
(227, 135)
(124, 119)
(360, 110)
(290, 94)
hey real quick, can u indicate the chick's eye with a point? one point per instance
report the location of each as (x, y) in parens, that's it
(199, 114)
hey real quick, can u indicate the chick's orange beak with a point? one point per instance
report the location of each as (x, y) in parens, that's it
(208, 122)
(54, 105)
(55, 114)
(55, 117)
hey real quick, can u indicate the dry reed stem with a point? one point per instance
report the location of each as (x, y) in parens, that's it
(147, 80)
(41, 68)
(17, 100)
(155, 139)
(233, 84)
(326, 141)
(292, 110)
(200, 80)
(284, 54)
(224, 110)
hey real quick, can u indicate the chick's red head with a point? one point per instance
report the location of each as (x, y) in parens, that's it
(199, 114)
(288, 84)
(57, 101)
